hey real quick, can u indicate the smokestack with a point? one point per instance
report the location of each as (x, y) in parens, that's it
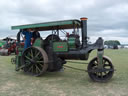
(84, 31)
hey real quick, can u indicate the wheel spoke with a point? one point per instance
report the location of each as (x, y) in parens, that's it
(40, 61)
(39, 58)
(40, 65)
(38, 69)
(30, 68)
(28, 58)
(95, 63)
(37, 54)
(101, 75)
(27, 61)
(105, 72)
(32, 53)
(29, 53)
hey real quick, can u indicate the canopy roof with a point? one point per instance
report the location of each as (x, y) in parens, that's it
(55, 25)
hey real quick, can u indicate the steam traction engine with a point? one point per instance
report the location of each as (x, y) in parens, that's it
(8, 47)
(51, 53)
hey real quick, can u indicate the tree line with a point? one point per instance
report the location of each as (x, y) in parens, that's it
(113, 43)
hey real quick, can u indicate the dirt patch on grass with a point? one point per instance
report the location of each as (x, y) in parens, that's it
(54, 90)
(7, 86)
(57, 91)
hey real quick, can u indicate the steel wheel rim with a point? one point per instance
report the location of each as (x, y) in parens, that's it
(35, 61)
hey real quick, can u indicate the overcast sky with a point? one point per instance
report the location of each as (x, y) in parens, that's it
(106, 18)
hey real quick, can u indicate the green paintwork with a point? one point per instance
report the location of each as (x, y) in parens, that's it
(60, 47)
(20, 54)
(2, 43)
(65, 24)
(18, 61)
(38, 43)
(71, 43)
(20, 49)
(100, 59)
(18, 58)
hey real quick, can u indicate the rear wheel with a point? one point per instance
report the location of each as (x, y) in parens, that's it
(35, 60)
(100, 75)
(51, 37)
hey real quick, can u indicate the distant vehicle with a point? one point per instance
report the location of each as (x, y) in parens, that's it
(126, 47)
(8, 47)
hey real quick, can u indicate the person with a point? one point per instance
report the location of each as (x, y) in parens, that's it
(28, 36)
(35, 35)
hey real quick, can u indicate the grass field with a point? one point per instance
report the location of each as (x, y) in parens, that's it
(68, 83)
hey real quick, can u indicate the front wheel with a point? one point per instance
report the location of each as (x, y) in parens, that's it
(100, 75)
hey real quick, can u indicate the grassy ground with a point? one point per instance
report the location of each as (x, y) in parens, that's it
(68, 83)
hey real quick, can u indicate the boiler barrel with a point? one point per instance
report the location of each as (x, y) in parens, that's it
(73, 55)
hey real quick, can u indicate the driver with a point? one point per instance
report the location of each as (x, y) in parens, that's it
(28, 36)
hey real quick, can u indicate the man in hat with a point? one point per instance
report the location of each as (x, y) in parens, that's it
(28, 35)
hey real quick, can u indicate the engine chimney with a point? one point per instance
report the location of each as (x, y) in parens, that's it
(84, 31)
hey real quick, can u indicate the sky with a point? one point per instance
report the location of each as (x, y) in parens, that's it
(106, 18)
